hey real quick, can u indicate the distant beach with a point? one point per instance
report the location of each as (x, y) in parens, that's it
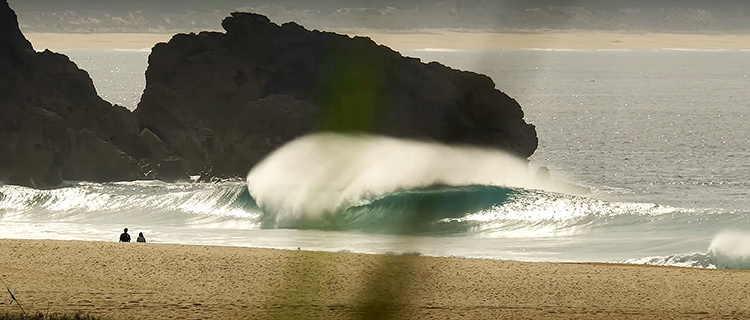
(167, 281)
(438, 40)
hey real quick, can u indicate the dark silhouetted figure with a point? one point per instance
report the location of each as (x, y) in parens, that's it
(141, 238)
(125, 237)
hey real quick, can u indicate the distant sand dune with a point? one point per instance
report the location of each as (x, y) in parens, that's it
(96, 41)
(574, 40)
(583, 40)
(164, 281)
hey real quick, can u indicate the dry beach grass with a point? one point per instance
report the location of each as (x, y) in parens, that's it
(166, 281)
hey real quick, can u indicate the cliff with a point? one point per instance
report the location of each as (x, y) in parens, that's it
(53, 125)
(222, 101)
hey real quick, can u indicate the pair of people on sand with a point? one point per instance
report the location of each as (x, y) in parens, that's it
(125, 237)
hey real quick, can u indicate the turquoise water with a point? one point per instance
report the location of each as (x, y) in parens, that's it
(660, 137)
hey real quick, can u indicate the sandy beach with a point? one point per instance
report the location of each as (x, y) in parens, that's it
(166, 281)
(545, 40)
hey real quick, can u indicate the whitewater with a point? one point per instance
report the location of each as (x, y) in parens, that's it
(659, 137)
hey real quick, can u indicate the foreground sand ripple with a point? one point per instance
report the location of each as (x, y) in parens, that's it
(165, 281)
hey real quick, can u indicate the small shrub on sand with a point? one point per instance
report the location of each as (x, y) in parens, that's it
(41, 316)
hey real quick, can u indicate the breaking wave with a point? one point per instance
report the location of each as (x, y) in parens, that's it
(319, 176)
(149, 200)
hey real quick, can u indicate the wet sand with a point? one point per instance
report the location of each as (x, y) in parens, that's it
(165, 281)
(546, 40)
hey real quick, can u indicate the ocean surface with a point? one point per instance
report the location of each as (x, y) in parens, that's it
(660, 137)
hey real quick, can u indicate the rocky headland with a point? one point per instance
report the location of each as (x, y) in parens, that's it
(53, 125)
(216, 103)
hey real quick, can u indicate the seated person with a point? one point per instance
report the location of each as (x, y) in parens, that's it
(125, 237)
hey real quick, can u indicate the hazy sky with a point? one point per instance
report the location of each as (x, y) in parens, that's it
(726, 16)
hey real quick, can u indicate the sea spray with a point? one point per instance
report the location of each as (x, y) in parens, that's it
(320, 175)
(730, 250)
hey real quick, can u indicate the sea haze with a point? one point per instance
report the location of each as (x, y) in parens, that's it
(661, 138)
(681, 16)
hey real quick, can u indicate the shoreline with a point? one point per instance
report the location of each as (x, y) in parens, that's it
(441, 40)
(161, 281)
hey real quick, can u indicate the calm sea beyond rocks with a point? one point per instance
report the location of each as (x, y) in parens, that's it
(216, 103)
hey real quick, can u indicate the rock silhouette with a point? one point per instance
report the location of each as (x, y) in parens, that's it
(222, 101)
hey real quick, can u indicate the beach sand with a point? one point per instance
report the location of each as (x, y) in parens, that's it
(166, 281)
(470, 40)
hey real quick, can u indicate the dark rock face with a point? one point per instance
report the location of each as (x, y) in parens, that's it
(222, 101)
(53, 125)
